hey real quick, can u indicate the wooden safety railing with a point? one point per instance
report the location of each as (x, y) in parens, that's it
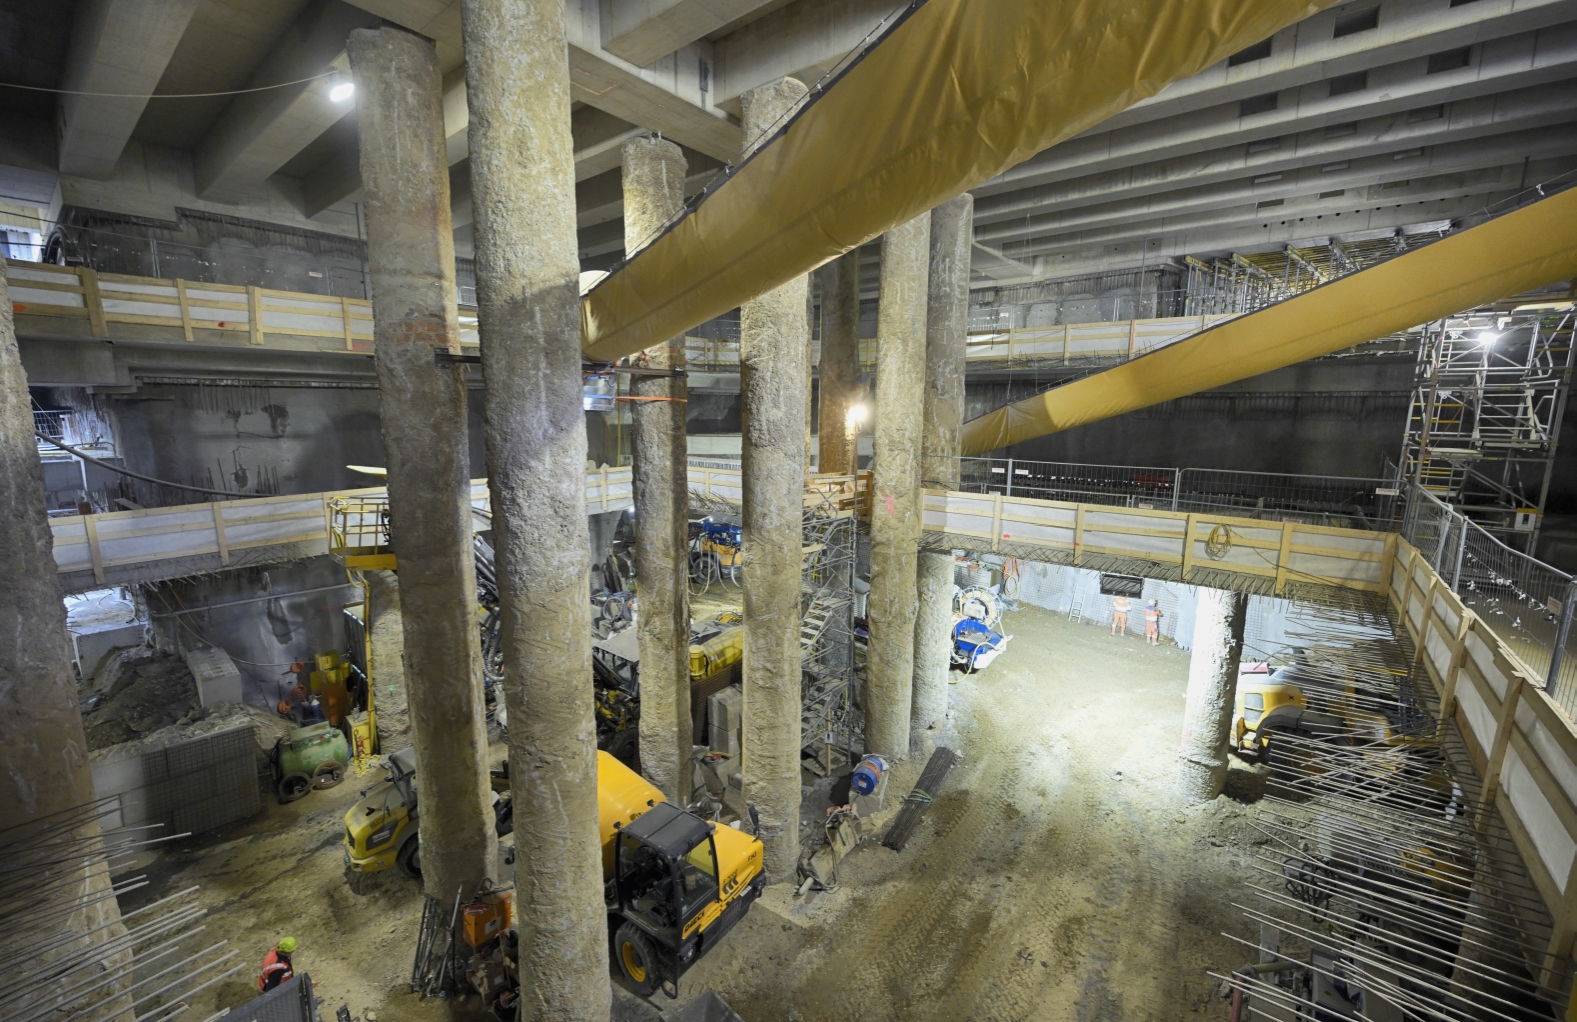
(1523, 743)
(1261, 555)
(119, 307)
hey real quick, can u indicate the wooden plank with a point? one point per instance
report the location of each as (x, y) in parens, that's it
(1530, 855)
(141, 320)
(344, 311)
(49, 285)
(254, 314)
(186, 312)
(1188, 547)
(94, 554)
(65, 311)
(996, 521)
(1448, 685)
(1505, 723)
(95, 304)
(1078, 536)
(219, 533)
(1549, 787)
(138, 296)
(1338, 552)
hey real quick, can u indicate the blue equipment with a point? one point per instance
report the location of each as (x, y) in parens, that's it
(975, 640)
(868, 775)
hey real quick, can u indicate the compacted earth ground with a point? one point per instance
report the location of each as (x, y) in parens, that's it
(1054, 877)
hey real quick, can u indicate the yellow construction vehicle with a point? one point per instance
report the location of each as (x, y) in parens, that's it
(380, 829)
(674, 883)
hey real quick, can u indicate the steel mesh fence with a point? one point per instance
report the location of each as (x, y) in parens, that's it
(1353, 501)
(1524, 601)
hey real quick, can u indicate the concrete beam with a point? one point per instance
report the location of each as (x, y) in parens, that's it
(1299, 227)
(116, 46)
(1309, 52)
(1506, 176)
(640, 31)
(438, 20)
(259, 132)
(1517, 62)
(666, 97)
(597, 135)
(1367, 176)
(1394, 133)
(803, 40)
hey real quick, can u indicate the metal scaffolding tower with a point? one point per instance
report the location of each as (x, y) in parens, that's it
(829, 720)
(1489, 393)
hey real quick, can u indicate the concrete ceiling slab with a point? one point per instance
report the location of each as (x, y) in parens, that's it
(223, 45)
(259, 132)
(117, 46)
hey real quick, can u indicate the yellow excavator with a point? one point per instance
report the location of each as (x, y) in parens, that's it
(674, 883)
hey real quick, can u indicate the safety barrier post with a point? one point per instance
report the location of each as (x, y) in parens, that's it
(1562, 633)
(1010, 477)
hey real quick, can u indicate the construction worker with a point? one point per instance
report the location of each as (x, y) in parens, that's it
(1120, 607)
(1152, 622)
(276, 965)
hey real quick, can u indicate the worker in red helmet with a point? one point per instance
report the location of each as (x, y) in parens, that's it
(276, 965)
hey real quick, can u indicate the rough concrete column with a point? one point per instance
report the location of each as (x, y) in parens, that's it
(421, 408)
(1212, 685)
(839, 375)
(386, 659)
(946, 332)
(653, 191)
(44, 766)
(773, 380)
(528, 272)
(895, 486)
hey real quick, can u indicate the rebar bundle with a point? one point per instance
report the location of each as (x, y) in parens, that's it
(1383, 884)
(66, 955)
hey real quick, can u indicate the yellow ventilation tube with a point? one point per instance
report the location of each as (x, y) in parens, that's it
(956, 93)
(1529, 248)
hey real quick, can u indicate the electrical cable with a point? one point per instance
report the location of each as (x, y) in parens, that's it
(1219, 543)
(137, 475)
(167, 95)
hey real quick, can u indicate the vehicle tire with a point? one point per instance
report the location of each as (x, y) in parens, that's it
(293, 786)
(638, 959)
(328, 775)
(625, 746)
(409, 858)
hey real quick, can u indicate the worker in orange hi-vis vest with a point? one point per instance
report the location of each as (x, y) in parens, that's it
(1120, 607)
(276, 965)
(1152, 623)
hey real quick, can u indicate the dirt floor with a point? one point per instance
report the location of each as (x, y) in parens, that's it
(1054, 878)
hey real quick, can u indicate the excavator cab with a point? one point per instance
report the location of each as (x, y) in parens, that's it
(668, 901)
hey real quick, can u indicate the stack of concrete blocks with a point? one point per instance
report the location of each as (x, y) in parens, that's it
(218, 678)
(725, 718)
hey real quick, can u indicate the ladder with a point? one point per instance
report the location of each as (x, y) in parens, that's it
(1076, 604)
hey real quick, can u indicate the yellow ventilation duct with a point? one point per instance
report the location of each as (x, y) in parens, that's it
(957, 92)
(1529, 248)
